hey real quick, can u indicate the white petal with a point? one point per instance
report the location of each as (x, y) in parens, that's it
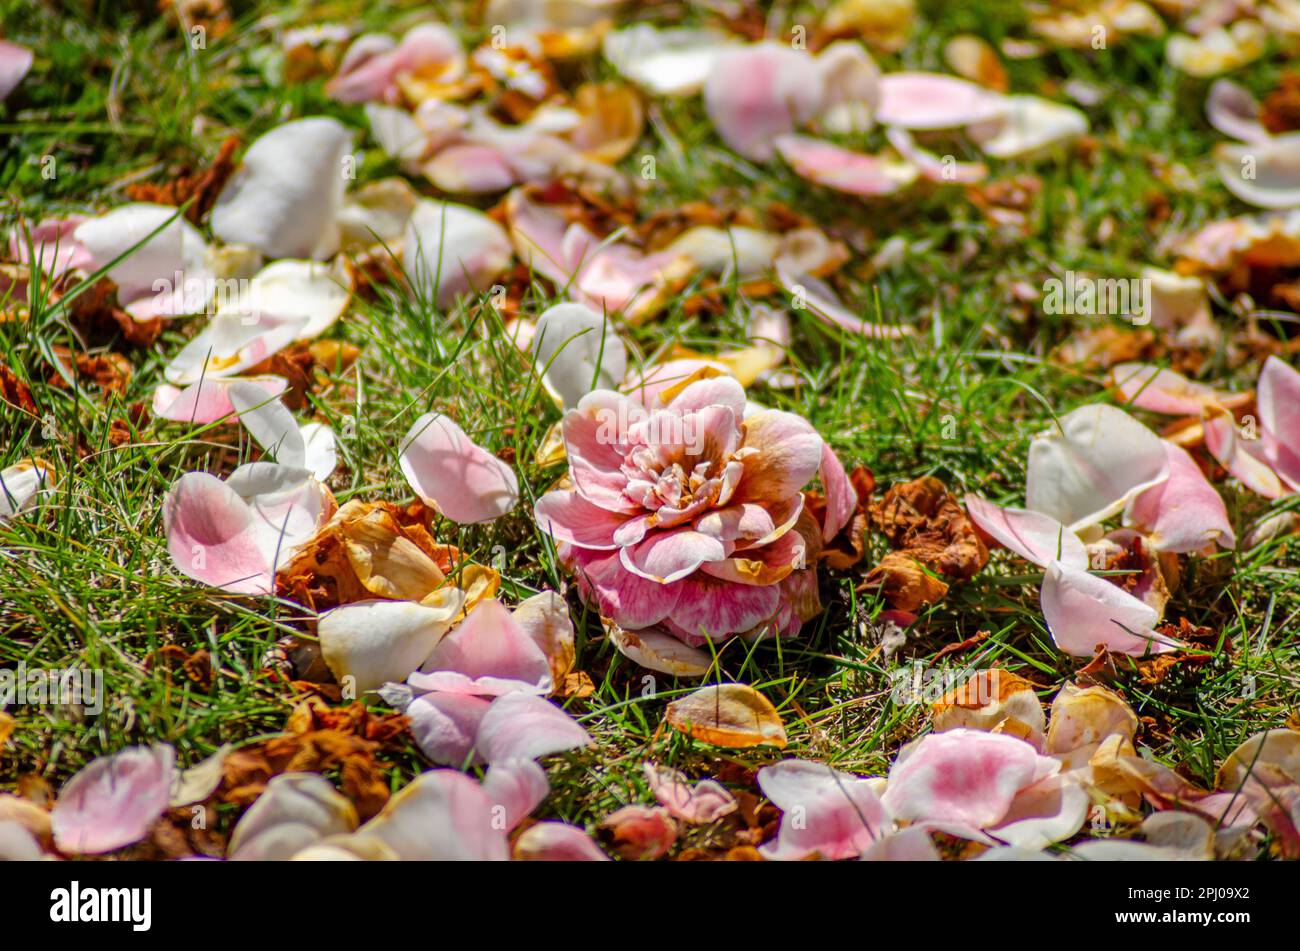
(672, 62)
(576, 351)
(1263, 174)
(286, 197)
(375, 642)
(450, 249)
(1029, 125)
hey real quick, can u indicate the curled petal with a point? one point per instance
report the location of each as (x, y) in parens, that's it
(556, 842)
(442, 815)
(672, 62)
(297, 810)
(854, 173)
(698, 803)
(1162, 391)
(209, 400)
(488, 653)
(934, 101)
(1243, 458)
(517, 786)
(1264, 174)
(731, 715)
(1234, 111)
(1027, 126)
(641, 832)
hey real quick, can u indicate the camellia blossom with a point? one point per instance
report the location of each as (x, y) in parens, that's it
(685, 509)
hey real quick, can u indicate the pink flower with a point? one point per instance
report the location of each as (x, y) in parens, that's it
(685, 508)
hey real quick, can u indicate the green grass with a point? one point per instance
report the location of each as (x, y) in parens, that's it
(116, 97)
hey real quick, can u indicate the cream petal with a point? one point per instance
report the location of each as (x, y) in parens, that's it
(453, 249)
(669, 62)
(374, 642)
(1264, 174)
(295, 811)
(576, 351)
(1028, 125)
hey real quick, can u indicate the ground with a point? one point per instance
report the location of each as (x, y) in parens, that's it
(119, 97)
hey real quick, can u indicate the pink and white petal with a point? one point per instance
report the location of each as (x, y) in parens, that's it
(1091, 466)
(665, 557)
(442, 815)
(445, 726)
(163, 269)
(1084, 612)
(946, 170)
(1161, 391)
(854, 173)
(15, 61)
(576, 351)
(1264, 174)
(912, 844)
(213, 536)
(593, 433)
(54, 247)
(841, 497)
(711, 608)
(517, 787)
(523, 726)
(469, 168)
(446, 468)
(1031, 535)
(758, 93)
(269, 422)
(114, 800)
(818, 297)
(557, 842)
(1047, 812)
(934, 101)
(449, 250)
(1234, 111)
(307, 292)
(375, 642)
(492, 650)
(723, 391)
(824, 812)
(697, 803)
(1241, 457)
(762, 565)
(1184, 513)
(962, 776)
(632, 602)
(287, 504)
(208, 401)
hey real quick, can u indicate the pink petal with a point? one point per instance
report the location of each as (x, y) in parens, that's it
(114, 800)
(712, 608)
(932, 168)
(213, 536)
(641, 832)
(697, 803)
(1242, 458)
(373, 78)
(567, 517)
(962, 776)
(814, 294)
(445, 725)
(906, 845)
(633, 602)
(557, 842)
(446, 468)
(934, 101)
(517, 786)
(854, 173)
(1084, 612)
(523, 726)
(488, 654)
(443, 815)
(787, 454)
(471, 169)
(1184, 513)
(841, 497)
(1161, 391)
(15, 61)
(208, 400)
(1279, 418)
(833, 814)
(54, 246)
(1031, 535)
(758, 93)
(595, 460)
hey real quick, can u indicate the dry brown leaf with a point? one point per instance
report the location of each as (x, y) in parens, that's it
(904, 583)
(731, 715)
(923, 521)
(200, 188)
